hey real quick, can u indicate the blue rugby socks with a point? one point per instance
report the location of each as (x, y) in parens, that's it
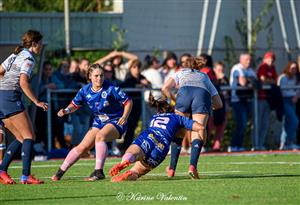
(26, 156)
(9, 154)
(195, 153)
(175, 151)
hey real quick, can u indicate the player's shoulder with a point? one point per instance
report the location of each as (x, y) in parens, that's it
(86, 88)
(108, 86)
(165, 115)
(26, 55)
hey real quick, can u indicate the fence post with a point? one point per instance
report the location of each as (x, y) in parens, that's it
(143, 110)
(49, 122)
(255, 117)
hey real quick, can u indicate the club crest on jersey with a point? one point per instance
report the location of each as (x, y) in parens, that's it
(103, 94)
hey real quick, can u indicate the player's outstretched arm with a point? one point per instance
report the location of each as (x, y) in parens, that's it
(2, 71)
(71, 108)
(166, 89)
(127, 110)
(25, 86)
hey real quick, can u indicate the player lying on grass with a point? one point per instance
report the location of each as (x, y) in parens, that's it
(150, 148)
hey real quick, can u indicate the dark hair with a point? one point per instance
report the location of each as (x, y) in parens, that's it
(108, 63)
(136, 62)
(92, 68)
(219, 63)
(148, 61)
(121, 61)
(162, 106)
(194, 63)
(46, 63)
(29, 37)
(286, 69)
(209, 61)
(83, 59)
(170, 55)
(184, 55)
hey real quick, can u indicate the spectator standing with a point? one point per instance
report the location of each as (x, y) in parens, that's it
(169, 66)
(290, 97)
(152, 74)
(240, 75)
(41, 116)
(134, 80)
(266, 74)
(219, 117)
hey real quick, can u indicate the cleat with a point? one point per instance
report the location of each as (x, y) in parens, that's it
(5, 178)
(170, 172)
(118, 167)
(97, 174)
(193, 172)
(30, 180)
(126, 176)
(59, 174)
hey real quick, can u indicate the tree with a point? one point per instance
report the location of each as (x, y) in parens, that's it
(258, 25)
(56, 5)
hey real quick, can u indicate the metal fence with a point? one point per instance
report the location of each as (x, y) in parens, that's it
(87, 30)
(144, 104)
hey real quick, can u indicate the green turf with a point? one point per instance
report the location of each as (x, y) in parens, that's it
(259, 179)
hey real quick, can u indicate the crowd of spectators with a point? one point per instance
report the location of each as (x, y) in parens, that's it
(124, 69)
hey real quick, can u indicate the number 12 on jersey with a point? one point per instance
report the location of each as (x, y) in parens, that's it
(160, 122)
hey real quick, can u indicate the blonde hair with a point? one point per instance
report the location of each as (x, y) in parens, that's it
(195, 62)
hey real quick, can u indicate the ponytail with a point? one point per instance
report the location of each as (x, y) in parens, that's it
(28, 38)
(162, 106)
(18, 49)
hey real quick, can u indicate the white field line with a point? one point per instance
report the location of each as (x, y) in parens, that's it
(212, 173)
(217, 163)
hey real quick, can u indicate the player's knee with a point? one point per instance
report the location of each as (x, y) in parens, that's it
(100, 137)
(81, 148)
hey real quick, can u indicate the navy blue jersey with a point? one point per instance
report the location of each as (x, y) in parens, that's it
(167, 124)
(105, 104)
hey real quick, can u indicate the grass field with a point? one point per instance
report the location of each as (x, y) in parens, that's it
(256, 179)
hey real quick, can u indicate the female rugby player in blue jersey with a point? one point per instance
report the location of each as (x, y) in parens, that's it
(196, 96)
(15, 72)
(111, 108)
(150, 148)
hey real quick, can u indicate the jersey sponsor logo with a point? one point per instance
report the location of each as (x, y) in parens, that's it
(29, 64)
(152, 162)
(160, 146)
(103, 118)
(121, 94)
(145, 146)
(104, 94)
